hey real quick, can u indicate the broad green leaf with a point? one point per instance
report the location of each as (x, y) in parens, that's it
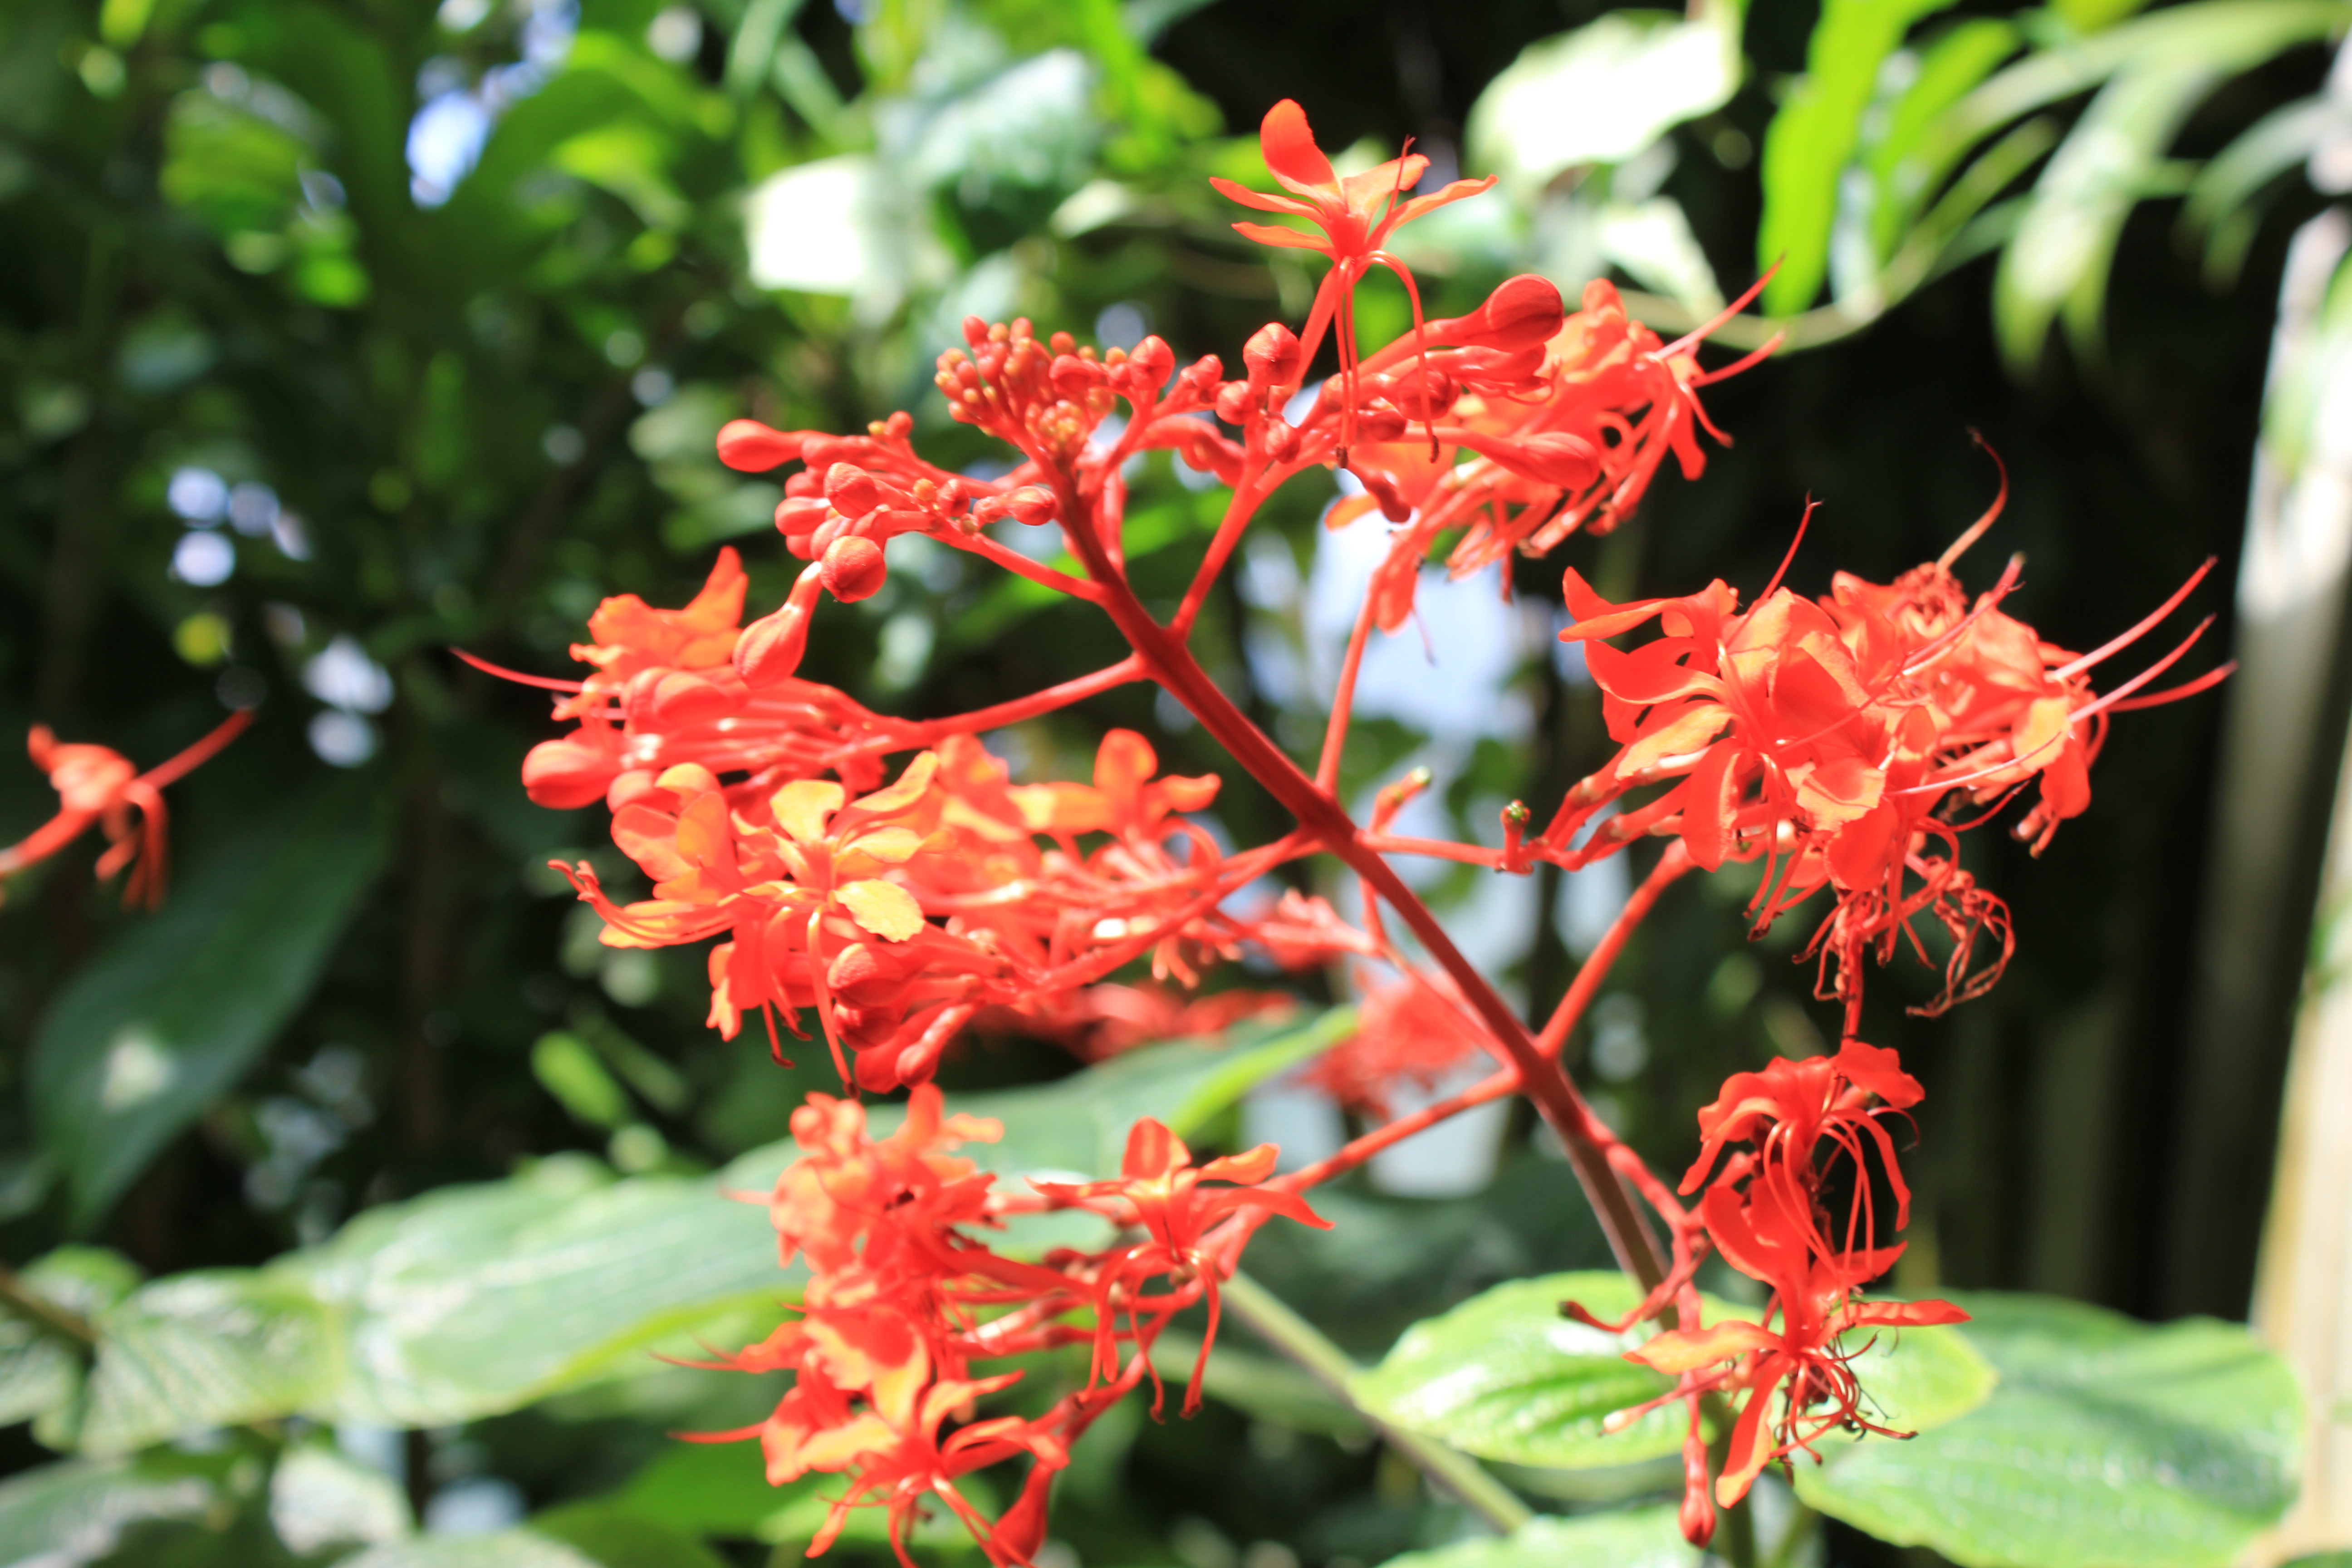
(478, 1300)
(507, 1548)
(703, 1489)
(320, 1499)
(203, 1350)
(1603, 92)
(38, 1371)
(1639, 1538)
(1258, 1385)
(615, 1537)
(2108, 1442)
(1810, 140)
(1504, 1376)
(175, 1009)
(64, 1514)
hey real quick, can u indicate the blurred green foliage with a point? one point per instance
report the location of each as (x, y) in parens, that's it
(335, 336)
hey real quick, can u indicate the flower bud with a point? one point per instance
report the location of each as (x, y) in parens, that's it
(1234, 401)
(851, 489)
(975, 331)
(753, 447)
(683, 698)
(798, 517)
(1549, 458)
(1421, 394)
(1281, 440)
(1522, 312)
(854, 568)
(1203, 374)
(1032, 504)
(565, 775)
(770, 647)
(1383, 492)
(1154, 363)
(1074, 377)
(1272, 355)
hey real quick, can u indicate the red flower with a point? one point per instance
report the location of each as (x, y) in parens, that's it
(1159, 1189)
(96, 784)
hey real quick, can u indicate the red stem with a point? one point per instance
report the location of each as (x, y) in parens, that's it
(1172, 665)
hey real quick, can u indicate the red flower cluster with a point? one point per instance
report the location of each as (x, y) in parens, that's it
(903, 1299)
(98, 785)
(1839, 741)
(1763, 1210)
(1847, 742)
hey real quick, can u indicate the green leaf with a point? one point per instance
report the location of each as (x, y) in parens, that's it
(319, 1498)
(616, 1537)
(2059, 257)
(1810, 140)
(175, 1009)
(1504, 1376)
(1948, 69)
(703, 1489)
(478, 1300)
(507, 1548)
(203, 1350)
(2108, 1442)
(1639, 1538)
(1603, 92)
(2221, 200)
(568, 1069)
(73, 1512)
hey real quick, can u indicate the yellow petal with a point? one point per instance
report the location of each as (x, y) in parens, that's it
(907, 791)
(886, 910)
(887, 845)
(803, 806)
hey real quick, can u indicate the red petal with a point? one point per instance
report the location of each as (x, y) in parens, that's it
(1291, 156)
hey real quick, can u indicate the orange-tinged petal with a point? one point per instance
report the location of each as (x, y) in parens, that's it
(1286, 238)
(1153, 1151)
(803, 805)
(1249, 1168)
(1291, 156)
(1687, 1350)
(886, 909)
(908, 789)
(890, 845)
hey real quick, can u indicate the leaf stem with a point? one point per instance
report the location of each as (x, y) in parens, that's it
(1272, 1320)
(24, 1301)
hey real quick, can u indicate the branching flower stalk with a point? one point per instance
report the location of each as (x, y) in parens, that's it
(1841, 744)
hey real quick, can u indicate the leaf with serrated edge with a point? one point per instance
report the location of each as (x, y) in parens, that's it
(2108, 1442)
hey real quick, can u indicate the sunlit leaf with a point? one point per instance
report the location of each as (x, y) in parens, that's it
(1603, 92)
(203, 1350)
(73, 1512)
(1639, 1538)
(2106, 1442)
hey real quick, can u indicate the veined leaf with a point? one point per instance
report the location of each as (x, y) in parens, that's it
(1638, 1537)
(2108, 1442)
(73, 1512)
(175, 1009)
(204, 1350)
(1504, 1376)
(1810, 140)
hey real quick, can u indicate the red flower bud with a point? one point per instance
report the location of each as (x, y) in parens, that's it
(754, 448)
(1281, 440)
(1393, 507)
(681, 698)
(770, 647)
(1272, 355)
(854, 568)
(565, 775)
(1522, 312)
(1419, 394)
(1074, 377)
(1234, 401)
(1032, 504)
(797, 518)
(851, 489)
(1154, 363)
(1203, 374)
(1549, 458)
